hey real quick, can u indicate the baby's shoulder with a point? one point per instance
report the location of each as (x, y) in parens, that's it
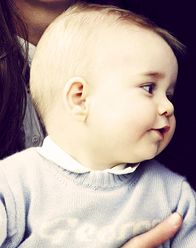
(160, 170)
(21, 162)
(166, 186)
(160, 176)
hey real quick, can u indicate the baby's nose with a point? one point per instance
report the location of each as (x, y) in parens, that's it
(166, 107)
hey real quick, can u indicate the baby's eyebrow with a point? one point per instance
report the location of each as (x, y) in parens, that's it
(158, 76)
(154, 75)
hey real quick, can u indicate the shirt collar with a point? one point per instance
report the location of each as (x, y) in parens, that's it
(53, 152)
(31, 48)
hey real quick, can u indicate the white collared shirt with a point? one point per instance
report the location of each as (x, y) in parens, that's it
(31, 48)
(53, 152)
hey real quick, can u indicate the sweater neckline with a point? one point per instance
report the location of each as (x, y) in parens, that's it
(96, 180)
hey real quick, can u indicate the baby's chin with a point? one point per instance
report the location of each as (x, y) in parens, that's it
(162, 147)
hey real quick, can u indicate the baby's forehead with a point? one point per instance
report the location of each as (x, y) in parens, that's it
(123, 33)
(135, 50)
(129, 40)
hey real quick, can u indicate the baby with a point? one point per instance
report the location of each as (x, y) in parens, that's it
(102, 79)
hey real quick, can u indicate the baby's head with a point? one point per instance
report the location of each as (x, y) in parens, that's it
(102, 79)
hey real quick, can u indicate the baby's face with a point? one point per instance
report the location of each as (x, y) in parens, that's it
(131, 115)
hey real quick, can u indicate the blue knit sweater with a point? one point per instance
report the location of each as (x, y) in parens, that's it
(43, 205)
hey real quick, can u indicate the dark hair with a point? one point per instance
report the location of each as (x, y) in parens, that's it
(14, 73)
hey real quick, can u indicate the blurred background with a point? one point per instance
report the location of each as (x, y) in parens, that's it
(178, 17)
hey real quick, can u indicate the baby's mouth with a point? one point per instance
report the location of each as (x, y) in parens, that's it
(162, 131)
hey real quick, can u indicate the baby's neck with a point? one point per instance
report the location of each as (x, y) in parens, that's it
(89, 160)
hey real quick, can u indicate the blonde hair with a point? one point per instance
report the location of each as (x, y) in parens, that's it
(66, 48)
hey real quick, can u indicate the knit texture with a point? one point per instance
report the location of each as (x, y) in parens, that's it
(43, 205)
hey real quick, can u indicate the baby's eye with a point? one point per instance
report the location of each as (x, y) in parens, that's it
(149, 87)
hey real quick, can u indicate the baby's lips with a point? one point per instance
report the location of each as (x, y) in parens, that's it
(165, 129)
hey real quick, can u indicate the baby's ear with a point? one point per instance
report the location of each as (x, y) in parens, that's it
(75, 95)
